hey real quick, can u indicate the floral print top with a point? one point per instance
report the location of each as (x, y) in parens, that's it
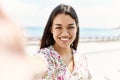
(57, 69)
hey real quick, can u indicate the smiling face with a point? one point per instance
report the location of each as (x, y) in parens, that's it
(64, 30)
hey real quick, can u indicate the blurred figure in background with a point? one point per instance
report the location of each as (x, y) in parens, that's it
(14, 63)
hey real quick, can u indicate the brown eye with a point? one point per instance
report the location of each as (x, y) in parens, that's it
(71, 27)
(58, 27)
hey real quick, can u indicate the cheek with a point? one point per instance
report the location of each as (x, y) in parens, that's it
(55, 34)
(74, 32)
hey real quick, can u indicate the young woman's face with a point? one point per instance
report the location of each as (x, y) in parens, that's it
(64, 30)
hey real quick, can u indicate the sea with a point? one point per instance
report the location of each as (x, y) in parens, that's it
(85, 32)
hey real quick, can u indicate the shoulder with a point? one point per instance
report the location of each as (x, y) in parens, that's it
(83, 59)
(47, 52)
(43, 52)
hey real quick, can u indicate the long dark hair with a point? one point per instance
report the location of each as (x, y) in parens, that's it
(47, 38)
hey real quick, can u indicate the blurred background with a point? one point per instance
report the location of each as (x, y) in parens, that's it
(99, 30)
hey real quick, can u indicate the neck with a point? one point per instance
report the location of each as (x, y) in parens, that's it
(62, 51)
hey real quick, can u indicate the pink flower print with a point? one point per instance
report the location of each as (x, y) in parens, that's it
(86, 69)
(70, 76)
(81, 64)
(59, 57)
(60, 78)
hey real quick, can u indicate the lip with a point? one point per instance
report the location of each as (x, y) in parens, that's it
(64, 39)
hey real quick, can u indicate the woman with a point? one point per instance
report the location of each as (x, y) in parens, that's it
(59, 44)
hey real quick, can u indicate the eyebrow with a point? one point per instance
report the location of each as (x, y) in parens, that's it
(71, 24)
(58, 24)
(68, 24)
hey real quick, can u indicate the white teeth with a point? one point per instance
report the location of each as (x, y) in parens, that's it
(64, 39)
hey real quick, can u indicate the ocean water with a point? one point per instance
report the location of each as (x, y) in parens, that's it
(84, 32)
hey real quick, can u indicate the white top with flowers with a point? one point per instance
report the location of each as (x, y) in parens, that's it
(57, 69)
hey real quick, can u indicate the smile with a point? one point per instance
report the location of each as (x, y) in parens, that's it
(65, 39)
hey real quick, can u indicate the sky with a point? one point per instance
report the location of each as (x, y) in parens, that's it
(91, 13)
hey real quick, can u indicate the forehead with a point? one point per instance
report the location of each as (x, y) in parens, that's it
(63, 19)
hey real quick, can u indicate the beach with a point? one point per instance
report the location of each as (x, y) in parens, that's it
(103, 58)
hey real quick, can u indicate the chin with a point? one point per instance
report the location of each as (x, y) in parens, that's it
(64, 46)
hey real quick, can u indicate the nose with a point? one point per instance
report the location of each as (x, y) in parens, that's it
(65, 33)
